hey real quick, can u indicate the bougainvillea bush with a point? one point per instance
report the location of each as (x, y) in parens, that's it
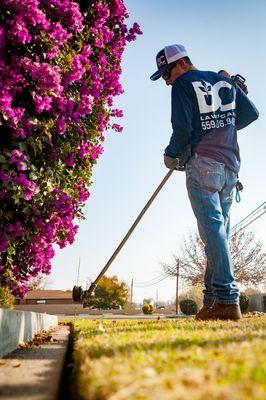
(60, 63)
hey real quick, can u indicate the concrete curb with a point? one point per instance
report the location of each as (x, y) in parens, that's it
(20, 326)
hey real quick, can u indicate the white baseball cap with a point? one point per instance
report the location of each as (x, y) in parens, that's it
(167, 57)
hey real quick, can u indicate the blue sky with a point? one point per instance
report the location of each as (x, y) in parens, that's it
(228, 35)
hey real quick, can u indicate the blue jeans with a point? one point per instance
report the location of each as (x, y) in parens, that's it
(210, 186)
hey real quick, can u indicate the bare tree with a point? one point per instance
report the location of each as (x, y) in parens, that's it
(191, 261)
(248, 255)
(39, 282)
(249, 258)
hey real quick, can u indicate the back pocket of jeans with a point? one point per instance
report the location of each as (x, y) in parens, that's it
(211, 180)
(205, 175)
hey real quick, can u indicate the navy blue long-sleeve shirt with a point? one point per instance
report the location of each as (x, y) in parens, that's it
(207, 110)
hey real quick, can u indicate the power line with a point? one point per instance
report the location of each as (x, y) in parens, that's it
(245, 222)
(149, 281)
(165, 276)
(253, 216)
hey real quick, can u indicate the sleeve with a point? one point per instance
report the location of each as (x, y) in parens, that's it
(181, 119)
(246, 111)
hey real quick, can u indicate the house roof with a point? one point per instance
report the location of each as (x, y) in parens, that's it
(48, 294)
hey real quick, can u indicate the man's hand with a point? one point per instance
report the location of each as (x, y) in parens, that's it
(223, 72)
(173, 163)
(238, 79)
(178, 163)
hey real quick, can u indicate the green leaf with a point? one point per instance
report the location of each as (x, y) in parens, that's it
(22, 146)
(33, 176)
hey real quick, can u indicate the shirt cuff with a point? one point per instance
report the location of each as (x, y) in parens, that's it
(168, 153)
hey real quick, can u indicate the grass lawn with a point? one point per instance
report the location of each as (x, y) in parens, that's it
(170, 359)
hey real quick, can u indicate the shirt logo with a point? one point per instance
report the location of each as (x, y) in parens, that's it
(208, 96)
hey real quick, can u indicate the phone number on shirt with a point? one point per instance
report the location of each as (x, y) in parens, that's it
(221, 123)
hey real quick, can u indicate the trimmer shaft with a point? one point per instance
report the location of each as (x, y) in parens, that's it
(78, 294)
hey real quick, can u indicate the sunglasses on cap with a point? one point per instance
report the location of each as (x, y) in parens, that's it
(167, 73)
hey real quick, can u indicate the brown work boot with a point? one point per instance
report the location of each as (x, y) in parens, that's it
(222, 311)
(203, 311)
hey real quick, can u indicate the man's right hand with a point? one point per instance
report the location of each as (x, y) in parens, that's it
(178, 163)
(171, 163)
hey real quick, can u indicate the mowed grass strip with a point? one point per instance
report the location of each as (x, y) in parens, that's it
(170, 359)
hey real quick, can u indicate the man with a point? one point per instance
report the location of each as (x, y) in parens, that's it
(207, 110)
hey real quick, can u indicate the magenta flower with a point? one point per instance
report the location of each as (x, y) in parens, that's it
(117, 113)
(70, 160)
(59, 34)
(60, 125)
(2, 42)
(85, 105)
(117, 128)
(5, 101)
(15, 230)
(3, 243)
(19, 159)
(43, 103)
(18, 31)
(28, 188)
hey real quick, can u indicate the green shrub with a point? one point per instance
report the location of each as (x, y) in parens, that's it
(7, 300)
(243, 302)
(147, 309)
(193, 293)
(188, 306)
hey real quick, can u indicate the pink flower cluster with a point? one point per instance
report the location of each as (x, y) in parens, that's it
(60, 65)
(17, 185)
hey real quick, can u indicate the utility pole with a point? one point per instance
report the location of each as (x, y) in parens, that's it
(78, 272)
(131, 293)
(157, 298)
(176, 293)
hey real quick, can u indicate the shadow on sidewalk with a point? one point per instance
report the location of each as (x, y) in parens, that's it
(34, 373)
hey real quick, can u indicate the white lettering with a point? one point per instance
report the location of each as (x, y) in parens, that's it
(208, 96)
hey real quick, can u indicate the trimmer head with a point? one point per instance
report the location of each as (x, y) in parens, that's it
(77, 294)
(80, 296)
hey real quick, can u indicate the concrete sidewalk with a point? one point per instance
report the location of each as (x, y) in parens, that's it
(35, 373)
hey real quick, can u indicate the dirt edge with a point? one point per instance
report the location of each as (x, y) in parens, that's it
(67, 387)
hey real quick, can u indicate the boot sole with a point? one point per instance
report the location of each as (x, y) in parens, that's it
(216, 318)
